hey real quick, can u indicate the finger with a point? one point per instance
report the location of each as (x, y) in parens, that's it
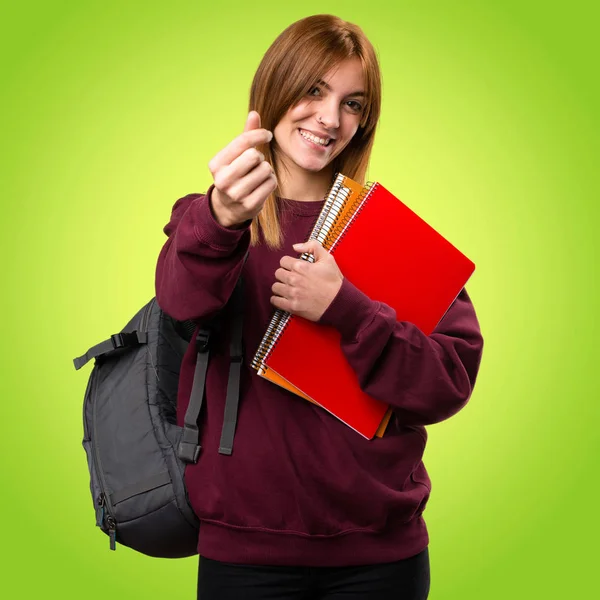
(247, 160)
(312, 246)
(261, 193)
(280, 289)
(242, 142)
(252, 121)
(311, 251)
(244, 185)
(229, 175)
(283, 276)
(287, 262)
(295, 265)
(281, 303)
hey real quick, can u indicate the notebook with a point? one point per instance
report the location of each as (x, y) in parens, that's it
(392, 255)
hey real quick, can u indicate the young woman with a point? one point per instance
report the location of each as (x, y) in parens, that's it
(305, 507)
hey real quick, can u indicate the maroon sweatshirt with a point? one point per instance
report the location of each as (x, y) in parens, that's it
(302, 488)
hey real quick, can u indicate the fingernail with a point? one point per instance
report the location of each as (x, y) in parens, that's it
(270, 135)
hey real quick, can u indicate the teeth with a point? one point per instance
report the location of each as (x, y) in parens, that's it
(313, 138)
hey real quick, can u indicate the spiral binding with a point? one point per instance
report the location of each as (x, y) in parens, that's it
(336, 198)
(357, 207)
(276, 327)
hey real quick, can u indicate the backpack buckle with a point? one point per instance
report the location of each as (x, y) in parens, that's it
(189, 452)
(202, 340)
(120, 340)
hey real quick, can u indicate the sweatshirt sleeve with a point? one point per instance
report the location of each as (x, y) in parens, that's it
(200, 262)
(426, 379)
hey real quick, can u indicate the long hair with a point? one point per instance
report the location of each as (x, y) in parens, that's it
(301, 55)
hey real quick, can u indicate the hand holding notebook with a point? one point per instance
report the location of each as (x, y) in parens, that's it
(427, 273)
(307, 288)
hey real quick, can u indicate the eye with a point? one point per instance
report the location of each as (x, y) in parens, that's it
(354, 105)
(316, 88)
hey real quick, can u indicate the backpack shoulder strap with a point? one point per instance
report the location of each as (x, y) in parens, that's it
(235, 369)
(189, 447)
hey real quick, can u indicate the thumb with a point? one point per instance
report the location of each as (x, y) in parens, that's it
(252, 121)
(311, 246)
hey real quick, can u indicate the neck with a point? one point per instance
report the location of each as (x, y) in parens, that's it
(304, 186)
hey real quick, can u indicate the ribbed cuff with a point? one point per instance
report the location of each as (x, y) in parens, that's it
(209, 231)
(350, 311)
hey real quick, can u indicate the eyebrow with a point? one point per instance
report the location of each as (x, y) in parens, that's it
(357, 93)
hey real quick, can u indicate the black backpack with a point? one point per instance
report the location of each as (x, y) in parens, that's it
(135, 450)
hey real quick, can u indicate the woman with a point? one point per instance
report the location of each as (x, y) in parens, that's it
(305, 507)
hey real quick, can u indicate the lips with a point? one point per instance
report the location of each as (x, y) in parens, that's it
(330, 140)
(319, 134)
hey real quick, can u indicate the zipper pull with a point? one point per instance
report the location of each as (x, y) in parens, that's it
(101, 505)
(112, 532)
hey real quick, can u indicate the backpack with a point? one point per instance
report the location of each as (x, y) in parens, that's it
(136, 452)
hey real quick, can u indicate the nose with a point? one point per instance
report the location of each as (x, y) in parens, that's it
(329, 114)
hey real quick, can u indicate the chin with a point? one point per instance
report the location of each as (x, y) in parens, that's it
(314, 169)
(312, 165)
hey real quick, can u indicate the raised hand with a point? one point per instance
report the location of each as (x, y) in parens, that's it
(243, 178)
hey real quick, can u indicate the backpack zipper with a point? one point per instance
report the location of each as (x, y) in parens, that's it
(111, 524)
(102, 500)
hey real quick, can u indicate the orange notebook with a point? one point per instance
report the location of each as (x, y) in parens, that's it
(393, 256)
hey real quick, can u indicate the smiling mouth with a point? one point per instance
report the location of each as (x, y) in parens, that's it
(317, 141)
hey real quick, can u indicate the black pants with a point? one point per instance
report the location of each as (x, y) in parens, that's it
(401, 580)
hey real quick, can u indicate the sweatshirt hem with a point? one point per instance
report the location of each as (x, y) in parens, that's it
(219, 541)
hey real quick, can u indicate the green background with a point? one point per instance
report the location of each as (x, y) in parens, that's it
(489, 130)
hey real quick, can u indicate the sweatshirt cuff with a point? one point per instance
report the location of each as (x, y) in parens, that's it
(350, 311)
(209, 231)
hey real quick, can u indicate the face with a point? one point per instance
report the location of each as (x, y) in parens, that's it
(329, 113)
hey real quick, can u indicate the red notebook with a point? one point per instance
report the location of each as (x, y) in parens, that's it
(393, 256)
